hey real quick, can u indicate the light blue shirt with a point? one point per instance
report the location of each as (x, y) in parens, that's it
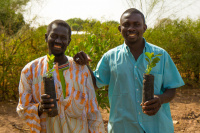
(124, 75)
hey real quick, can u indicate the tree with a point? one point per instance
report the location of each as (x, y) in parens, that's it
(76, 23)
(13, 36)
(154, 10)
(11, 20)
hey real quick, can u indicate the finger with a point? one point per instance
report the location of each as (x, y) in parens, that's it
(152, 101)
(47, 110)
(46, 101)
(47, 106)
(79, 58)
(76, 58)
(150, 112)
(45, 96)
(150, 107)
(89, 59)
(83, 57)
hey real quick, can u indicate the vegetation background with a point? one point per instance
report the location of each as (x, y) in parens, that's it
(20, 43)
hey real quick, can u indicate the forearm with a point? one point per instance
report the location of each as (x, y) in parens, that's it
(167, 96)
(93, 77)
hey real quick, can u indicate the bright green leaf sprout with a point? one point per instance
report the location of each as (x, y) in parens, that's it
(152, 60)
(49, 72)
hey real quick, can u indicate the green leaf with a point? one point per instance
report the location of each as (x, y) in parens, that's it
(156, 60)
(152, 55)
(147, 59)
(52, 57)
(48, 56)
(50, 63)
(153, 59)
(148, 55)
(159, 54)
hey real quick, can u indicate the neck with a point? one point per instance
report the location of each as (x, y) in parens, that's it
(137, 48)
(61, 59)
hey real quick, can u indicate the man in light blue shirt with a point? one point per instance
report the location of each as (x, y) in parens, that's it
(122, 68)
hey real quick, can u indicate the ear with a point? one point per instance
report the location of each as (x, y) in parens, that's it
(145, 27)
(69, 41)
(119, 28)
(46, 38)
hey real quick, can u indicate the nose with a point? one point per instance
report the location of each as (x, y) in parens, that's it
(58, 40)
(131, 28)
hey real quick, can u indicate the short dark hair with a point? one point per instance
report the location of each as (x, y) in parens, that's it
(134, 10)
(61, 23)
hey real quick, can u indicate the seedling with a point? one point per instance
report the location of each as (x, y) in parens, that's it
(148, 79)
(152, 60)
(49, 86)
(50, 62)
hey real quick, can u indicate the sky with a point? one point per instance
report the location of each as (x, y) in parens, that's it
(42, 12)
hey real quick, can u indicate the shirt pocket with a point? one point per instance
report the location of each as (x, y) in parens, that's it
(157, 83)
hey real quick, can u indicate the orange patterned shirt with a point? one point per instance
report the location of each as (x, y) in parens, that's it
(78, 112)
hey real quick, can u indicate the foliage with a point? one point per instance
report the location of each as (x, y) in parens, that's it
(152, 60)
(181, 39)
(177, 37)
(11, 20)
(76, 24)
(99, 38)
(50, 62)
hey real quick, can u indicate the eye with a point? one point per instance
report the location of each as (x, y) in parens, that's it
(137, 24)
(54, 36)
(64, 37)
(125, 24)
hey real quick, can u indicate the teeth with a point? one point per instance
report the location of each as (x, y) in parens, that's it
(57, 46)
(132, 34)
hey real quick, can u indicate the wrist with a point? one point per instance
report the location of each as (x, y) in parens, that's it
(160, 99)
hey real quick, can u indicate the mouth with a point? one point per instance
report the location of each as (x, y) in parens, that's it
(57, 46)
(132, 35)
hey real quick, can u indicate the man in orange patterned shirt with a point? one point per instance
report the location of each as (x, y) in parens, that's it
(77, 105)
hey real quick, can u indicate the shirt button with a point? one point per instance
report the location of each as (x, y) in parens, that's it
(135, 66)
(136, 78)
(138, 101)
(139, 113)
(137, 89)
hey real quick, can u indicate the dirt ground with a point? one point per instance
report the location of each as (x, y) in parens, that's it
(185, 109)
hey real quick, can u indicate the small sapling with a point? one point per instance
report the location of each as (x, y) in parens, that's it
(49, 85)
(148, 79)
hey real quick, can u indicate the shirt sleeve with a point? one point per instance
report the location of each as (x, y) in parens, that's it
(102, 72)
(95, 121)
(27, 109)
(171, 76)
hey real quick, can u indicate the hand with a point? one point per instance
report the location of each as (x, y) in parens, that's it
(82, 58)
(152, 106)
(46, 104)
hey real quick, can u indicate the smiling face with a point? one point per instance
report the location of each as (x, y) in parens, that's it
(132, 27)
(58, 39)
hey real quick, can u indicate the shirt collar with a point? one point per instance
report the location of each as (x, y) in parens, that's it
(127, 49)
